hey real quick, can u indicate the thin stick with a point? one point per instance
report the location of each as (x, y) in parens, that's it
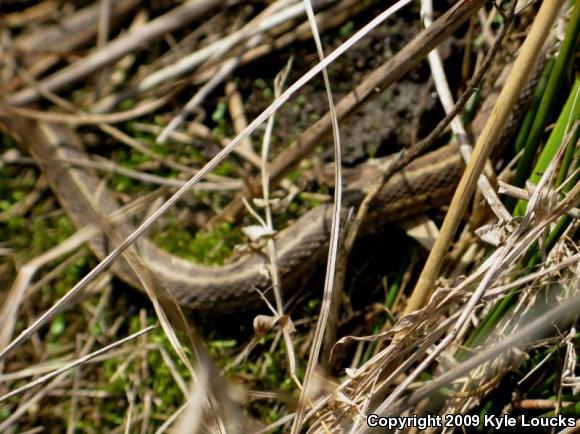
(329, 278)
(240, 121)
(141, 109)
(104, 28)
(520, 193)
(286, 327)
(104, 164)
(492, 130)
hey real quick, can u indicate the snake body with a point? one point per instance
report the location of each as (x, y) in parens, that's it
(425, 183)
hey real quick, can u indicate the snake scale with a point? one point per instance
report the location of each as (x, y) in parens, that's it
(425, 183)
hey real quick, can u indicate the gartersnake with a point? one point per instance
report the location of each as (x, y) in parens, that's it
(425, 183)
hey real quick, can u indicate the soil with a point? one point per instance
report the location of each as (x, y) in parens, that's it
(394, 119)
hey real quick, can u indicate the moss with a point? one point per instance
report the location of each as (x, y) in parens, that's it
(73, 274)
(57, 326)
(347, 29)
(127, 104)
(38, 232)
(122, 184)
(159, 121)
(223, 344)
(227, 168)
(5, 412)
(210, 247)
(294, 175)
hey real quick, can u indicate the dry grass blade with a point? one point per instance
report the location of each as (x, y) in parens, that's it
(516, 245)
(110, 166)
(141, 109)
(9, 311)
(161, 301)
(75, 363)
(520, 193)
(332, 17)
(224, 71)
(69, 34)
(195, 59)
(498, 290)
(334, 236)
(519, 338)
(406, 156)
(367, 387)
(285, 323)
(31, 402)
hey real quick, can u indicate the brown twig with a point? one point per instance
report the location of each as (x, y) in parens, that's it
(141, 109)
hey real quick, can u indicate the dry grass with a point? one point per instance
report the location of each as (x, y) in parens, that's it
(79, 352)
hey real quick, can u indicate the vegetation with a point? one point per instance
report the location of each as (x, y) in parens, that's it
(112, 359)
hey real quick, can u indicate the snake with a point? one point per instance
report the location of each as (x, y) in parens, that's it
(425, 183)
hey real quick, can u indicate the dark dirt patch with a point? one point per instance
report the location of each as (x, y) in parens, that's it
(394, 119)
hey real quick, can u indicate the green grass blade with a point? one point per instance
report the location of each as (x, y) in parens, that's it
(534, 105)
(553, 88)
